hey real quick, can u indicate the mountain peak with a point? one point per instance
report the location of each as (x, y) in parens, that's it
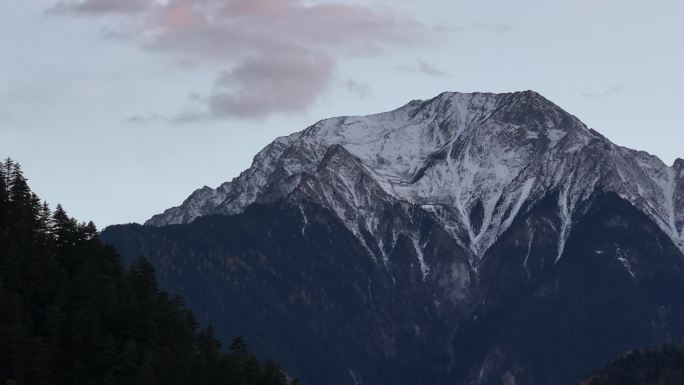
(452, 155)
(525, 109)
(530, 94)
(447, 215)
(678, 164)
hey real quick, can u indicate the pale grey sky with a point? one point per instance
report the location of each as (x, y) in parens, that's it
(119, 109)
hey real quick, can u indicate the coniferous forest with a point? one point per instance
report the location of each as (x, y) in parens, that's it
(71, 313)
(661, 366)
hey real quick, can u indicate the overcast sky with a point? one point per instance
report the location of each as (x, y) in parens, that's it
(119, 109)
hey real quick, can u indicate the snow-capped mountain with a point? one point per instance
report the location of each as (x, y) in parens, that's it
(471, 239)
(474, 161)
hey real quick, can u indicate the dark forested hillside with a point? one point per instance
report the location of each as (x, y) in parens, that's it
(663, 366)
(296, 273)
(70, 313)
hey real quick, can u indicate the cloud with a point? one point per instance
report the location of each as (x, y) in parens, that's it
(422, 68)
(275, 56)
(614, 90)
(144, 119)
(101, 7)
(496, 28)
(258, 87)
(361, 90)
(430, 70)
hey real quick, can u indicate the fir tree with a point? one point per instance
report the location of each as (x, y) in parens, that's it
(7, 166)
(45, 218)
(4, 194)
(238, 347)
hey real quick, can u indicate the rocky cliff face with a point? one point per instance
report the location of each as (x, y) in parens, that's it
(473, 160)
(467, 239)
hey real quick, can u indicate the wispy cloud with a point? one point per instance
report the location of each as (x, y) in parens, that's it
(100, 7)
(430, 70)
(422, 68)
(258, 87)
(614, 90)
(361, 90)
(278, 56)
(495, 28)
(144, 118)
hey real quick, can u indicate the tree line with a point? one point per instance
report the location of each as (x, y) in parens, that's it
(72, 314)
(656, 366)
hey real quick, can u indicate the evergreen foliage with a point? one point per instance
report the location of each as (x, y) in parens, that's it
(70, 313)
(663, 366)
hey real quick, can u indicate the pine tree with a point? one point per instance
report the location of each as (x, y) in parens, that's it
(63, 227)
(143, 282)
(253, 373)
(8, 165)
(22, 210)
(45, 218)
(238, 347)
(90, 231)
(128, 370)
(207, 343)
(4, 194)
(273, 375)
(4, 207)
(19, 191)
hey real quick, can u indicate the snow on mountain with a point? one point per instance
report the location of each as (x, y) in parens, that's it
(473, 161)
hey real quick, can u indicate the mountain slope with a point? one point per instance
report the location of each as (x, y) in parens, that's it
(653, 366)
(467, 239)
(472, 159)
(316, 300)
(352, 316)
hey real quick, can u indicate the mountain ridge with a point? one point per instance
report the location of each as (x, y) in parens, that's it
(451, 154)
(472, 239)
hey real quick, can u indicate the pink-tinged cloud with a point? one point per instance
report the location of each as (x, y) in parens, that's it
(179, 15)
(261, 86)
(279, 55)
